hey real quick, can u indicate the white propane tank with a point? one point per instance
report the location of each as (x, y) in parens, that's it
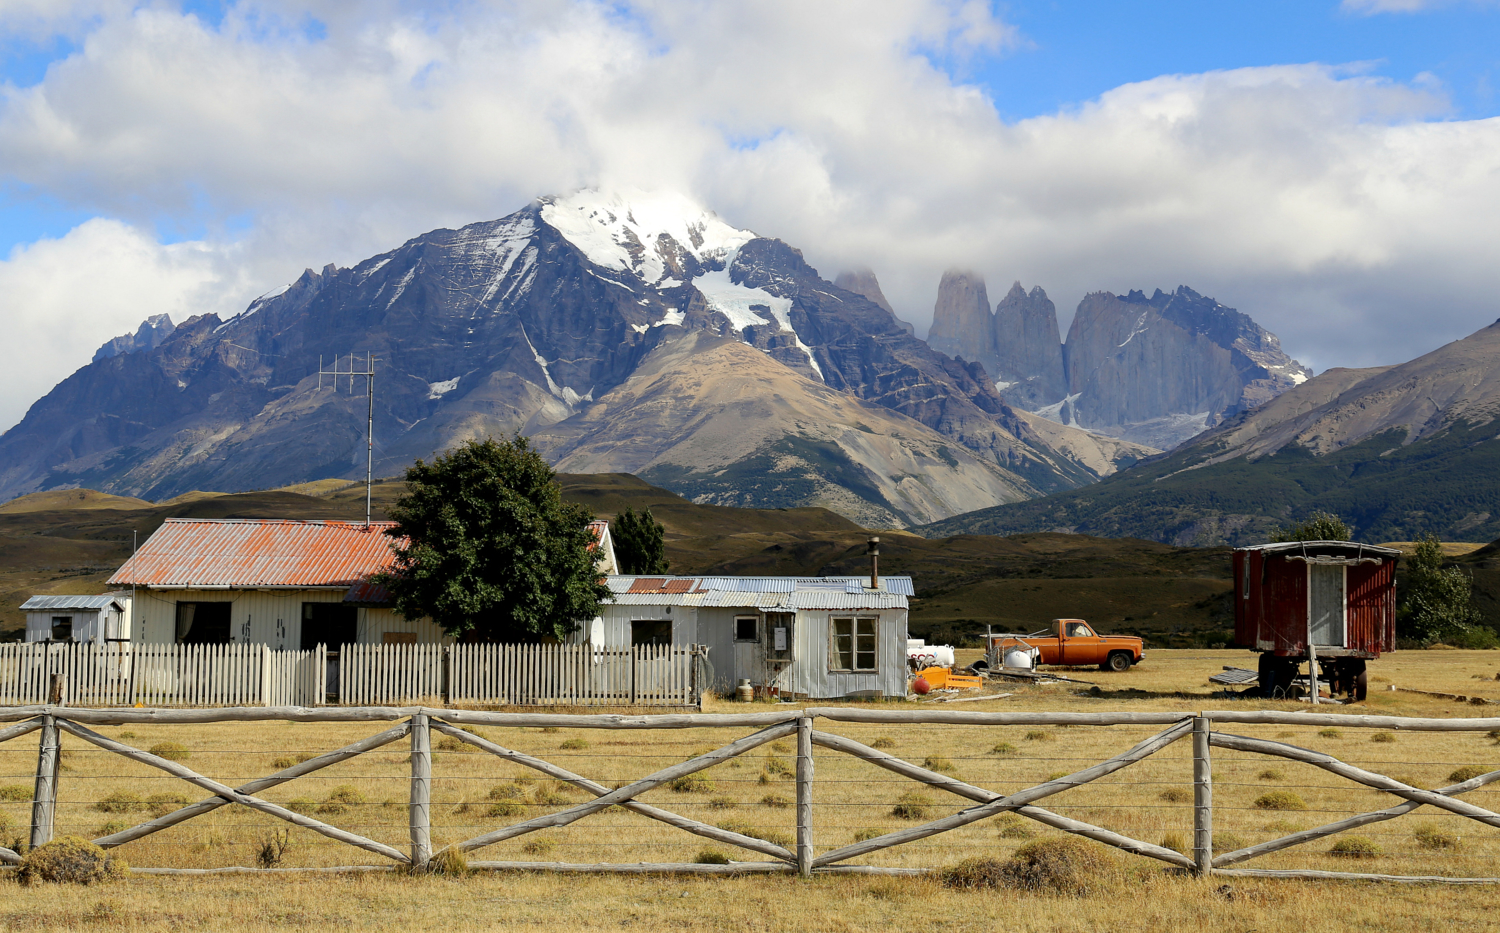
(1019, 659)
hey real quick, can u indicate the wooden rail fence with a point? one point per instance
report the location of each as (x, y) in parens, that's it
(416, 725)
(127, 674)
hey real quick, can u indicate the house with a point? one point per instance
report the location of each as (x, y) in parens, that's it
(818, 637)
(95, 619)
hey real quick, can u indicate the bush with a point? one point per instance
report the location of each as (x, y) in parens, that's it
(1002, 748)
(1175, 795)
(172, 751)
(70, 860)
(303, 805)
(553, 794)
(273, 848)
(775, 802)
(1014, 827)
(912, 806)
(120, 801)
(884, 741)
(449, 744)
(506, 808)
(509, 791)
(1382, 737)
(711, 857)
(15, 792)
(723, 803)
(162, 804)
(450, 862)
(282, 762)
(746, 828)
(340, 799)
(1039, 735)
(539, 846)
(1354, 847)
(1330, 734)
(933, 763)
(694, 783)
(1060, 865)
(1468, 772)
(779, 767)
(864, 835)
(574, 744)
(1280, 800)
(109, 828)
(1431, 837)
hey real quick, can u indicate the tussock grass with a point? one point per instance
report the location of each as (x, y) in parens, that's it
(1280, 800)
(723, 803)
(694, 783)
(1382, 737)
(1014, 827)
(1355, 847)
(1064, 865)
(172, 751)
(775, 801)
(912, 806)
(883, 742)
(1002, 748)
(1468, 772)
(1175, 795)
(120, 801)
(574, 744)
(1039, 735)
(1330, 734)
(1429, 836)
(938, 763)
(70, 860)
(1271, 774)
(710, 857)
(15, 792)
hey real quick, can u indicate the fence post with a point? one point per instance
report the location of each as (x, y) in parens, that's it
(804, 795)
(1203, 798)
(265, 675)
(421, 791)
(44, 798)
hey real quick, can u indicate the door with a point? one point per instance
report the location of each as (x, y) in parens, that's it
(1081, 646)
(749, 654)
(1325, 604)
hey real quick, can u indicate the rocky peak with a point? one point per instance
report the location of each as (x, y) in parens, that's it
(862, 281)
(1027, 349)
(148, 336)
(961, 320)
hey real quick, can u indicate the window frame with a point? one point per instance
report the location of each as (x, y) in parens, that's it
(836, 656)
(59, 621)
(753, 620)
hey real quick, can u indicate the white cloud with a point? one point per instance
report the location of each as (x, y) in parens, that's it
(1334, 207)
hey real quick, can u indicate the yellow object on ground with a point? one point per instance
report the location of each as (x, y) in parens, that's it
(940, 678)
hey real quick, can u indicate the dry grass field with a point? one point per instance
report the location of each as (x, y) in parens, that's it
(474, 793)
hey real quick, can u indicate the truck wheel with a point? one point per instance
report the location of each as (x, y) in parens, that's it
(1118, 661)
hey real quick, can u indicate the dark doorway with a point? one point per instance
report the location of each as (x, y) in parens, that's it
(330, 624)
(203, 623)
(650, 633)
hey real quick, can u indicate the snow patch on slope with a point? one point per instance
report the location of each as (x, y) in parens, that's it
(440, 389)
(620, 229)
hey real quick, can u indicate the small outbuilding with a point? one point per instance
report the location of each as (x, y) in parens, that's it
(1339, 597)
(95, 619)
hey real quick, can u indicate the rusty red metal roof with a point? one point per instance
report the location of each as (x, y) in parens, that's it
(258, 552)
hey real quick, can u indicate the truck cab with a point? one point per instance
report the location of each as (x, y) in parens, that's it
(1074, 643)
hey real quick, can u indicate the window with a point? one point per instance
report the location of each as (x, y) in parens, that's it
(644, 632)
(745, 628)
(398, 638)
(62, 628)
(853, 645)
(1078, 630)
(203, 623)
(330, 624)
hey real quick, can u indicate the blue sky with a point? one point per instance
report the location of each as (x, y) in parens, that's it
(1326, 166)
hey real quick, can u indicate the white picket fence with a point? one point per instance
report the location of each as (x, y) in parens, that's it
(127, 674)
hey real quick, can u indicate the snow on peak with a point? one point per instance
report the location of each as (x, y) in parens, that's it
(620, 230)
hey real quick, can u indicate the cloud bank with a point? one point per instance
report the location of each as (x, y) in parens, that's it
(1342, 211)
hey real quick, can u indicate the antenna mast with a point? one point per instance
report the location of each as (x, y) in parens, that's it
(369, 373)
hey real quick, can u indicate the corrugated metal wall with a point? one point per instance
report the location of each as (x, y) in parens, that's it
(262, 617)
(1372, 607)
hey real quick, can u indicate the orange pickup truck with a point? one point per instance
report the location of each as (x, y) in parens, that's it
(1072, 642)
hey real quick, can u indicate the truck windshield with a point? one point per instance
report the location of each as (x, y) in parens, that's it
(1078, 630)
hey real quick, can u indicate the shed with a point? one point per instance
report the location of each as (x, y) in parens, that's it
(94, 619)
(814, 638)
(1340, 595)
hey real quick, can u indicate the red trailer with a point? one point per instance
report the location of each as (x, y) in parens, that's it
(1337, 596)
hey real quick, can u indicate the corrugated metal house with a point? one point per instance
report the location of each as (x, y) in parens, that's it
(95, 619)
(819, 638)
(1340, 595)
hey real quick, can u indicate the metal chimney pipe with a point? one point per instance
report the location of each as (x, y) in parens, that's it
(873, 549)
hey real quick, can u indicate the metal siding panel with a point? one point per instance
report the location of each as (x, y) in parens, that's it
(1372, 600)
(95, 603)
(248, 553)
(1285, 593)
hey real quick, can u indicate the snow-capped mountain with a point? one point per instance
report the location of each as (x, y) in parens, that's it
(562, 320)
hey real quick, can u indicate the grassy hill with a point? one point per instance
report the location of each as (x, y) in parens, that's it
(72, 543)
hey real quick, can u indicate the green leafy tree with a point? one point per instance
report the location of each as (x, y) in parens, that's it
(1319, 526)
(639, 543)
(486, 546)
(1435, 603)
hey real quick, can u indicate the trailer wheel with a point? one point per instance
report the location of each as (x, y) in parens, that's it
(1118, 661)
(1361, 685)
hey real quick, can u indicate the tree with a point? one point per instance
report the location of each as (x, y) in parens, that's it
(487, 548)
(1436, 602)
(1319, 526)
(639, 546)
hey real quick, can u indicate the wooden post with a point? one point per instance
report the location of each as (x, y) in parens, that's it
(421, 791)
(44, 798)
(1203, 798)
(55, 690)
(804, 796)
(265, 675)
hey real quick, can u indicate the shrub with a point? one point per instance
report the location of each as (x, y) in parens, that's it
(303, 805)
(711, 857)
(1014, 827)
(884, 741)
(1354, 847)
(15, 792)
(723, 803)
(273, 848)
(282, 762)
(1431, 837)
(1175, 795)
(1382, 737)
(1061, 865)
(1039, 735)
(934, 763)
(574, 744)
(70, 860)
(1330, 734)
(551, 795)
(162, 804)
(450, 861)
(694, 783)
(1002, 748)
(340, 799)
(779, 767)
(1272, 774)
(1175, 841)
(1468, 772)
(538, 846)
(1284, 827)
(912, 806)
(746, 828)
(1280, 800)
(867, 834)
(120, 801)
(449, 744)
(110, 827)
(506, 808)
(172, 751)
(775, 802)
(511, 791)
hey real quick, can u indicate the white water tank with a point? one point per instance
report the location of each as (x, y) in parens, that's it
(1020, 659)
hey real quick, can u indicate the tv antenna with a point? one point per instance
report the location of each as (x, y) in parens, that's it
(369, 373)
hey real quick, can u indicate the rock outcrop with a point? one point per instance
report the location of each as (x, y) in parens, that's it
(149, 336)
(862, 281)
(962, 325)
(1027, 350)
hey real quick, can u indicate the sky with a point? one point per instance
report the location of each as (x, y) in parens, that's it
(1330, 167)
